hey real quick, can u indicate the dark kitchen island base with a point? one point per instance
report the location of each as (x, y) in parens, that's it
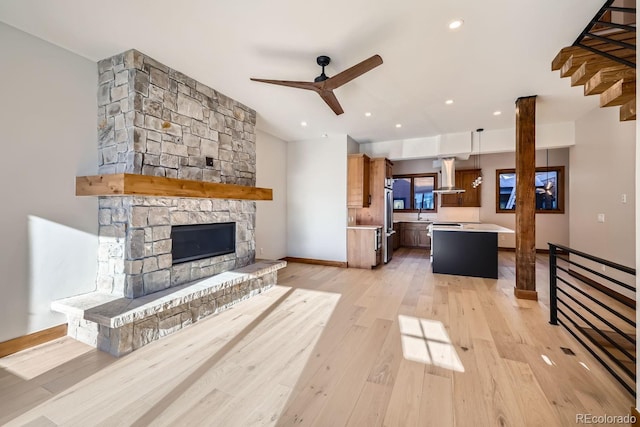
(465, 253)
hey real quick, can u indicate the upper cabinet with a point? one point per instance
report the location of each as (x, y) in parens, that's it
(388, 169)
(470, 198)
(358, 188)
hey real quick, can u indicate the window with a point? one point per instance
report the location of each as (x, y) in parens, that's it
(414, 192)
(549, 188)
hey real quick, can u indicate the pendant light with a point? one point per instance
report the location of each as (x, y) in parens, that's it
(548, 185)
(478, 181)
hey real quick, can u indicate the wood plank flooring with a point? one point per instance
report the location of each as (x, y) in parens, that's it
(395, 346)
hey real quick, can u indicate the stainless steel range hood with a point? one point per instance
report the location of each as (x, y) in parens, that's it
(448, 177)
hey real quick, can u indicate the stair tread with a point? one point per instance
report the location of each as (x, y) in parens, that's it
(619, 93)
(615, 337)
(628, 111)
(606, 77)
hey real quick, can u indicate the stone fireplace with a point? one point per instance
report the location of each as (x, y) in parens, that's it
(196, 242)
(153, 120)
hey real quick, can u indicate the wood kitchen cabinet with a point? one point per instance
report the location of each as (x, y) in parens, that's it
(470, 198)
(414, 235)
(396, 236)
(388, 169)
(364, 248)
(358, 186)
(374, 214)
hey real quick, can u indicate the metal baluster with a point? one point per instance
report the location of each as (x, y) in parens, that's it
(553, 291)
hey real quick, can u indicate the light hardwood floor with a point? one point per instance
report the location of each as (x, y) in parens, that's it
(329, 346)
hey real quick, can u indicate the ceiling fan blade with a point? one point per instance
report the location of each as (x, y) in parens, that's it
(299, 85)
(351, 73)
(331, 101)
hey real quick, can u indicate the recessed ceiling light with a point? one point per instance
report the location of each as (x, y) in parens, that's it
(449, 101)
(368, 114)
(324, 135)
(497, 113)
(453, 25)
(303, 124)
(398, 125)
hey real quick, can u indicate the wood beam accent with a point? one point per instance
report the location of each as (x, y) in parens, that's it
(22, 343)
(605, 78)
(145, 185)
(628, 111)
(619, 93)
(526, 198)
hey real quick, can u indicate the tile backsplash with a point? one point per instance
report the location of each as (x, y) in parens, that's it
(443, 214)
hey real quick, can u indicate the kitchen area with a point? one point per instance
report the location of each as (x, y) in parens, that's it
(421, 211)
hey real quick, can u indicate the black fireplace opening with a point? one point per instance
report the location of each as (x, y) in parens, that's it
(194, 242)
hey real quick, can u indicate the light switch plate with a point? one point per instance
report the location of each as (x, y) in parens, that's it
(601, 217)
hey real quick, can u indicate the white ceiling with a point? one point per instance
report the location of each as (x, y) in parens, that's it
(503, 51)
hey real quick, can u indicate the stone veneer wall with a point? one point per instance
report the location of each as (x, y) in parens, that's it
(154, 120)
(134, 255)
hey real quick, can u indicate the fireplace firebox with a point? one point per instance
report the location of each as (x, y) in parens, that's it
(194, 242)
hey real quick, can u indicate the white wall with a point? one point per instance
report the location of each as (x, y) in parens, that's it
(603, 169)
(549, 227)
(49, 246)
(317, 198)
(352, 146)
(554, 135)
(271, 216)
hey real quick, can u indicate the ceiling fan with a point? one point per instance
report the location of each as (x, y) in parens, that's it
(546, 189)
(324, 85)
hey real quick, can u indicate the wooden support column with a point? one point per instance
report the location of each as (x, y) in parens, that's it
(526, 198)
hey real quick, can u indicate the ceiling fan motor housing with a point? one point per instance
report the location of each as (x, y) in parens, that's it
(322, 61)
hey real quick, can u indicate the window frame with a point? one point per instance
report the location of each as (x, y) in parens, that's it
(561, 189)
(433, 175)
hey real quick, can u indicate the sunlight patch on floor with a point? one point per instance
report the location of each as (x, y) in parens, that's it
(426, 341)
(232, 360)
(21, 365)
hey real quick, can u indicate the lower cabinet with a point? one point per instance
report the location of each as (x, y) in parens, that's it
(414, 235)
(396, 235)
(363, 247)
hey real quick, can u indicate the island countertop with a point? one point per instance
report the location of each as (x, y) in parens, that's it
(363, 227)
(473, 227)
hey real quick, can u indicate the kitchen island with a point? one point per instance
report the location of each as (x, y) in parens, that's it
(465, 249)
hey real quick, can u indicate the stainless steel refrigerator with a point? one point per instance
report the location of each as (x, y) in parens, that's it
(388, 220)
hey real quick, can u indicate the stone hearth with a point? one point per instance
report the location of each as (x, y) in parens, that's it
(153, 120)
(120, 325)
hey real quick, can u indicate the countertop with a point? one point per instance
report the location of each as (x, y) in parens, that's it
(414, 221)
(363, 227)
(475, 227)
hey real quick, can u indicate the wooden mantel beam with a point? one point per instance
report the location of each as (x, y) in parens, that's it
(124, 184)
(526, 198)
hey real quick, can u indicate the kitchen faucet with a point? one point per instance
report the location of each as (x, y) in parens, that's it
(420, 209)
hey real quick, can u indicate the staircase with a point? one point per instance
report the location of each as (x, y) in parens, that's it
(603, 58)
(622, 351)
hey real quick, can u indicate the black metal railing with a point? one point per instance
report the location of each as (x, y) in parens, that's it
(592, 306)
(610, 39)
